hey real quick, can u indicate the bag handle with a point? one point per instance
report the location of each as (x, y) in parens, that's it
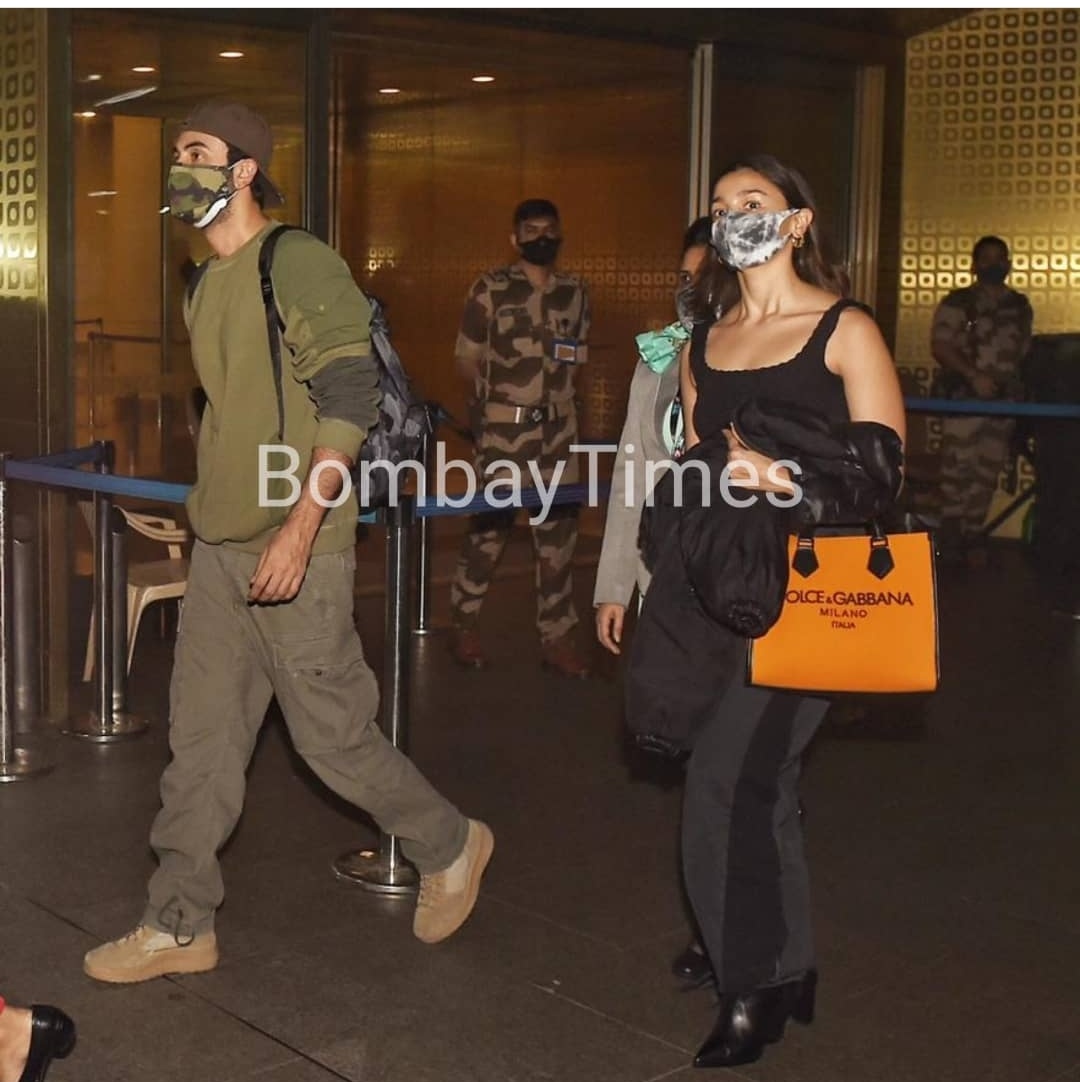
(880, 562)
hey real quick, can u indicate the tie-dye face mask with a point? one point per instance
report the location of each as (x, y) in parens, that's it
(746, 239)
(199, 193)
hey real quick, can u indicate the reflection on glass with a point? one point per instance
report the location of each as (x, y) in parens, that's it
(135, 78)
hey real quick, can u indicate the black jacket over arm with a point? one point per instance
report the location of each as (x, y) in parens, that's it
(720, 570)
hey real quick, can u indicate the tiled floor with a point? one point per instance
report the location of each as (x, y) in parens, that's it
(944, 837)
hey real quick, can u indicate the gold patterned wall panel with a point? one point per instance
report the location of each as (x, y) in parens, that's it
(991, 145)
(21, 280)
(429, 178)
(19, 138)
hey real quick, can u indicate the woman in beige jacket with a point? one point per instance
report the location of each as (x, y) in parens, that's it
(652, 436)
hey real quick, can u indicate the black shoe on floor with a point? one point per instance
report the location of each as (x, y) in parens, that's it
(692, 967)
(747, 1023)
(52, 1036)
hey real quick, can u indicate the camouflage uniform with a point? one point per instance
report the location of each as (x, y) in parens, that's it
(993, 334)
(510, 331)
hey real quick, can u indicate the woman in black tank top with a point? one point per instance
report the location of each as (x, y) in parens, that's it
(786, 334)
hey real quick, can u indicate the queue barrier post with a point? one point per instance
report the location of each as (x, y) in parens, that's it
(423, 541)
(107, 724)
(385, 871)
(26, 631)
(16, 764)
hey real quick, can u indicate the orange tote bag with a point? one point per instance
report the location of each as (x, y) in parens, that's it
(859, 615)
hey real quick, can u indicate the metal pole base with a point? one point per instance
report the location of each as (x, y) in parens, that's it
(116, 727)
(25, 764)
(376, 872)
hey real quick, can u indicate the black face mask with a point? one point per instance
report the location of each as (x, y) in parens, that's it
(540, 252)
(993, 275)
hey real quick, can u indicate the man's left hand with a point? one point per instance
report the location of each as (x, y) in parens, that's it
(282, 566)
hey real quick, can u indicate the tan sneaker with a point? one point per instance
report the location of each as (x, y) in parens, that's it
(147, 953)
(447, 897)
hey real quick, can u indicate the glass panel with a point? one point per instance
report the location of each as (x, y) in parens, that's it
(427, 178)
(135, 79)
(992, 153)
(801, 111)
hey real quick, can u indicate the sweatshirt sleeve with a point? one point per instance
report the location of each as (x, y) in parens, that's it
(326, 319)
(616, 573)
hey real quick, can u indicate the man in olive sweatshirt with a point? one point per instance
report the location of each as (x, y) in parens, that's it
(269, 604)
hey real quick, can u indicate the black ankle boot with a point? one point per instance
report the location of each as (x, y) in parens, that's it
(693, 967)
(803, 997)
(52, 1036)
(747, 1023)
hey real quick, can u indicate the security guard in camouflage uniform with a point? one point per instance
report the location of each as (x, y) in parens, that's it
(523, 336)
(979, 337)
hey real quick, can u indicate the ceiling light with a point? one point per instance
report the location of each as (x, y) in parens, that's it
(143, 69)
(231, 54)
(127, 95)
(87, 114)
(390, 90)
(95, 78)
(483, 78)
(100, 194)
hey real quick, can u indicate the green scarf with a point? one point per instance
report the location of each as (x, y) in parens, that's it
(658, 349)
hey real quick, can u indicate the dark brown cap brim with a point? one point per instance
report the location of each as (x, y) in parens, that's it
(272, 196)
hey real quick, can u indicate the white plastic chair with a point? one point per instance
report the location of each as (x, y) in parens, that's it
(148, 581)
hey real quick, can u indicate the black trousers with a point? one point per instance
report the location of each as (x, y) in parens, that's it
(743, 857)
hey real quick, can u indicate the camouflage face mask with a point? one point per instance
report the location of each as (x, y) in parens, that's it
(199, 193)
(746, 239)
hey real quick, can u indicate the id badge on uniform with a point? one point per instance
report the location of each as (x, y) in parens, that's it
(567, 351)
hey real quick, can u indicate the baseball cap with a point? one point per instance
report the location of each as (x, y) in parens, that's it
(244, 129)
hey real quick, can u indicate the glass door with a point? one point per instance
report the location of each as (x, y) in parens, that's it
(135, 78)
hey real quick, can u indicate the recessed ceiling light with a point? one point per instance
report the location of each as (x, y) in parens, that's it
(143, 69)
(87, 113)
(231, 54)
(483, 78)
(95, 78)
(390, 90)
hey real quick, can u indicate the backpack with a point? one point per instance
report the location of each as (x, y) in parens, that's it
(404, 420)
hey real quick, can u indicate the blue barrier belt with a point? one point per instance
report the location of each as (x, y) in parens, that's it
(526, 497)
(992, 407)
(168, 492)
(62, 477)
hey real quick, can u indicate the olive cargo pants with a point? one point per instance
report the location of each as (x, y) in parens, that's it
(231, 658)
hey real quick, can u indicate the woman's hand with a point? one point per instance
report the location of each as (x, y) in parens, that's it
(609, 625)
(750, 469)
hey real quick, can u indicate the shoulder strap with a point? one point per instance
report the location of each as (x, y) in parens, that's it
(824, 330)
(274, 324)
(698, 338)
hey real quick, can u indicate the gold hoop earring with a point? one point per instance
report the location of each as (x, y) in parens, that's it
(798, 240)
